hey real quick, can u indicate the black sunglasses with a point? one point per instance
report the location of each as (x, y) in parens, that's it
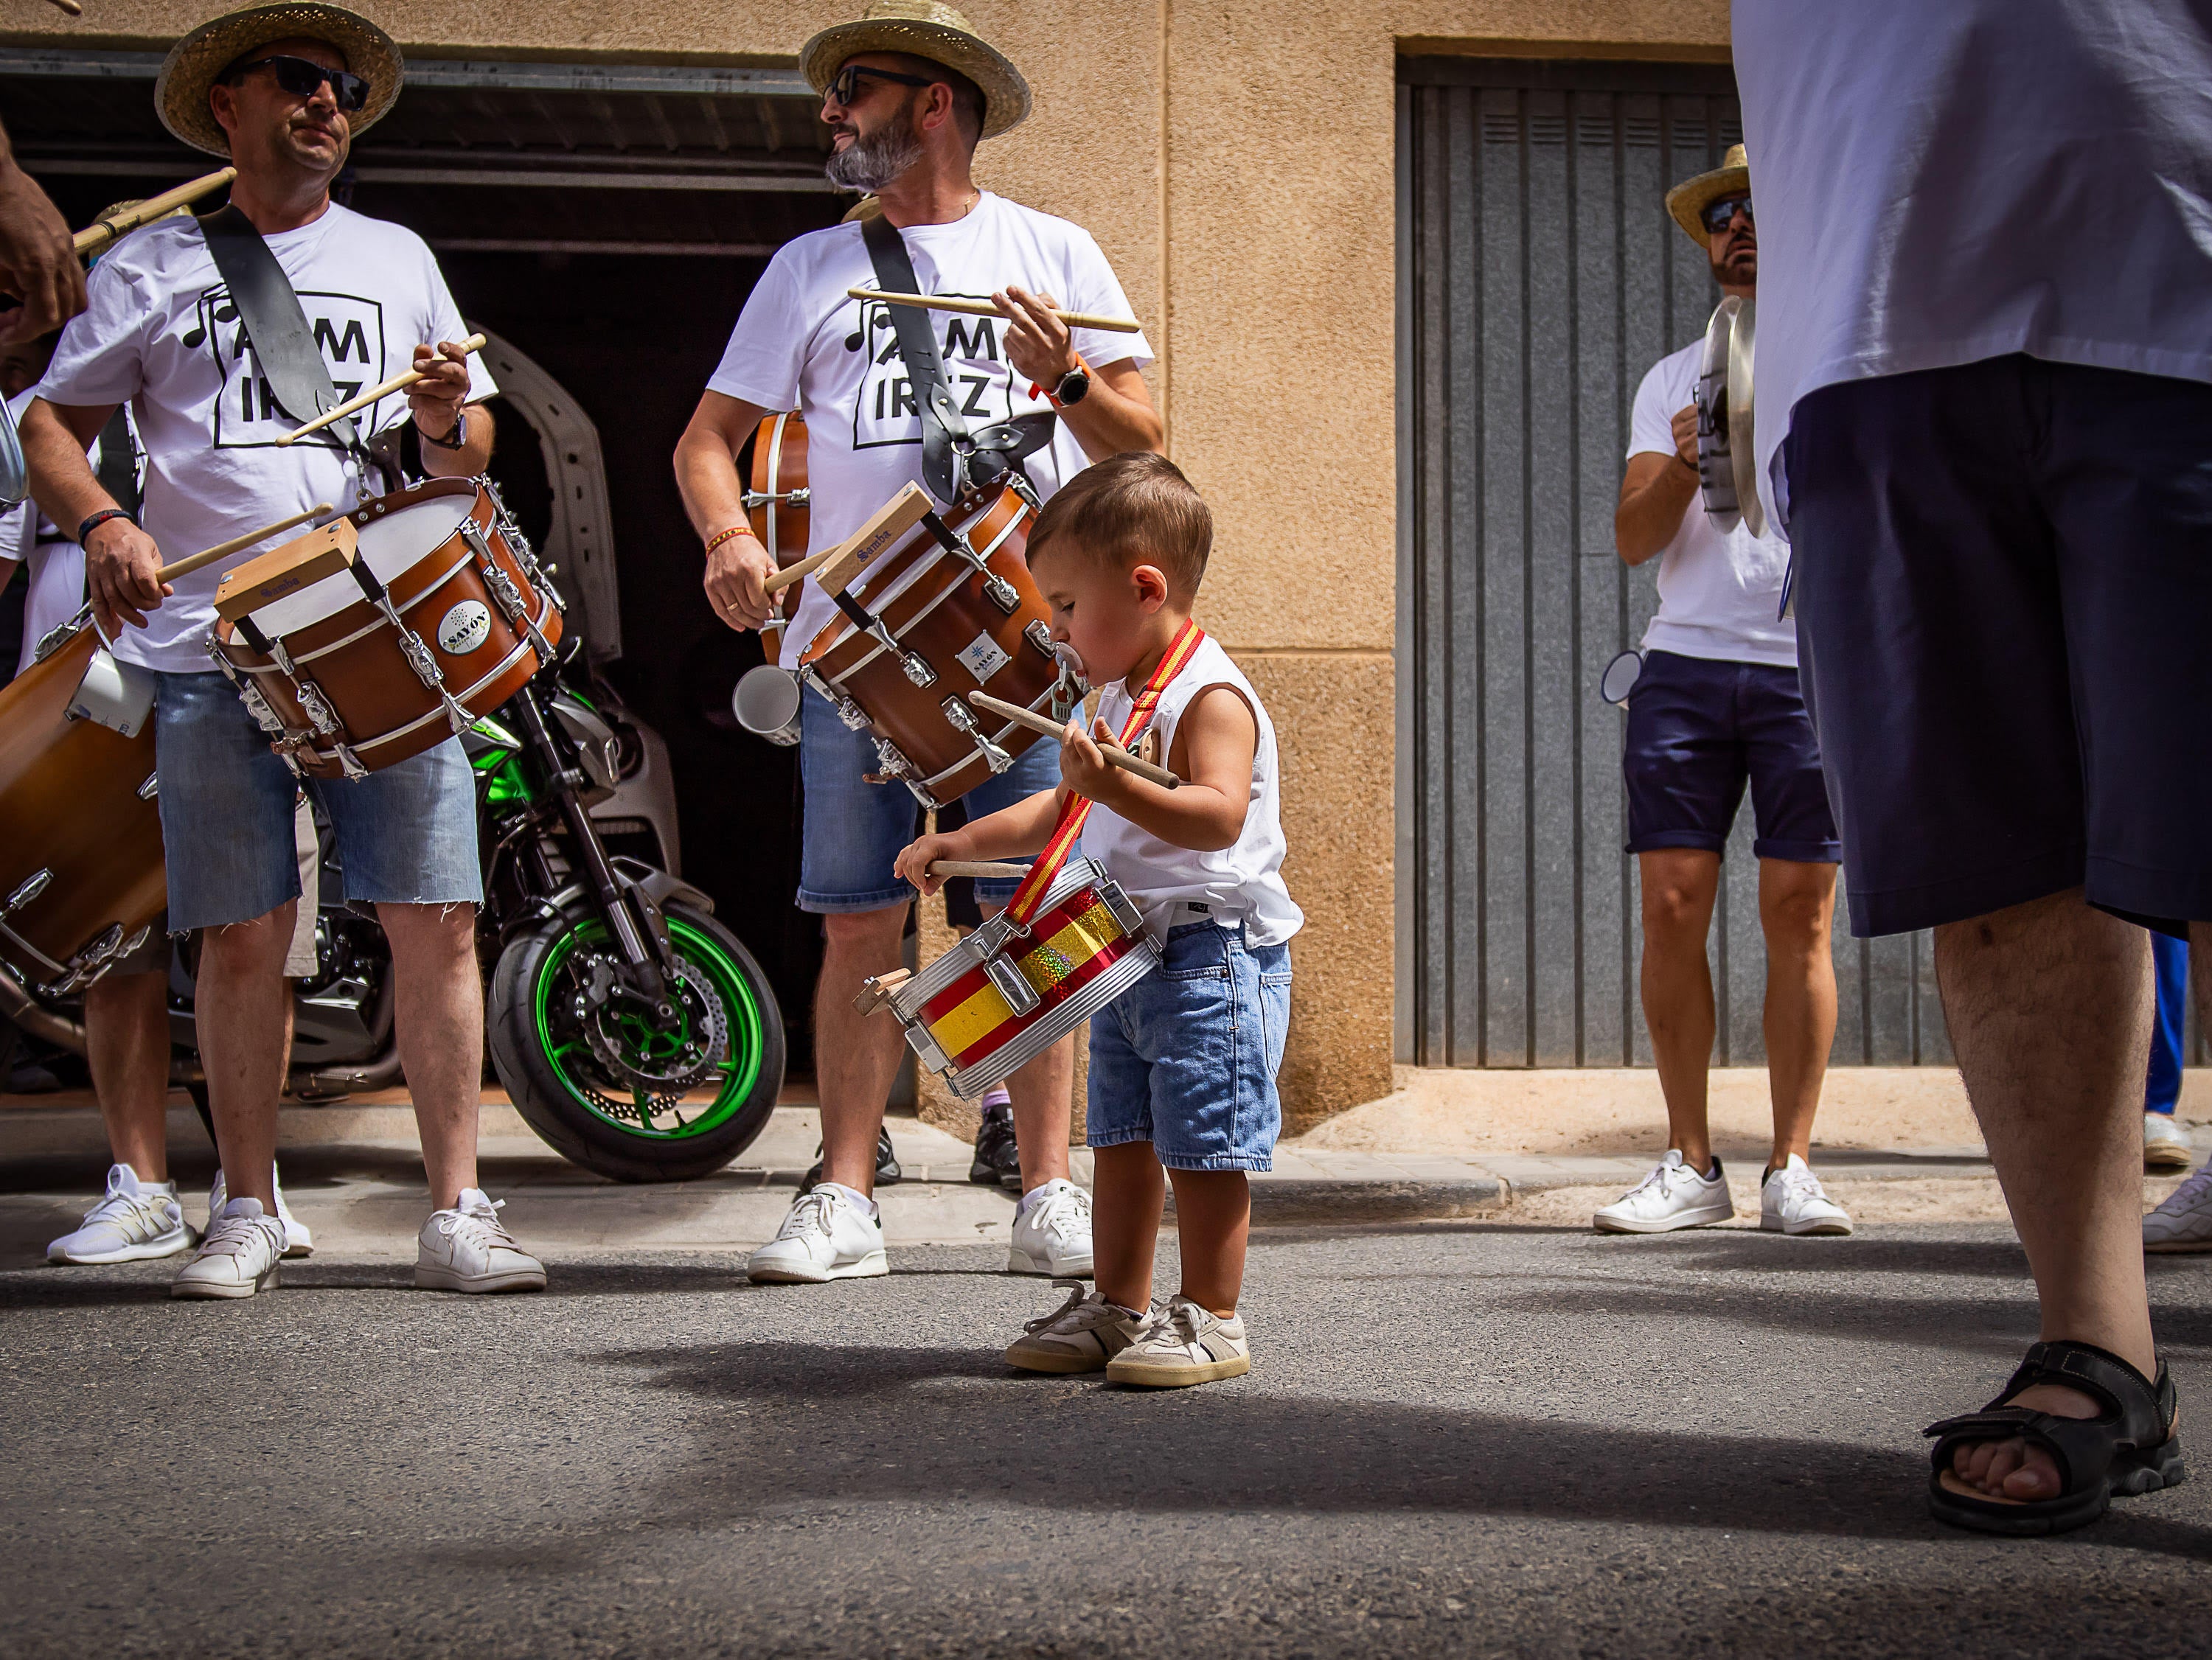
(1717, 215)
(845, 85)
(302, 78)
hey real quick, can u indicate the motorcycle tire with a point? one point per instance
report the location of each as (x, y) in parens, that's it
(567, 1094)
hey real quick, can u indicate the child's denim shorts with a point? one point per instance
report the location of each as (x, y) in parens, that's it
(1186, 1058)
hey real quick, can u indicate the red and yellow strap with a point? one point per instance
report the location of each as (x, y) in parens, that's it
(1029, 896)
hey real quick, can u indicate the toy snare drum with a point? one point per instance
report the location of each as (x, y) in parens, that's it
(1002, 997)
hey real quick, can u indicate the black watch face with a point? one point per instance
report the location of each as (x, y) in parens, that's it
(1074, 386)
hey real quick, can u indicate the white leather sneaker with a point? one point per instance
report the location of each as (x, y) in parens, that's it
(1183, 1344)
(298, 1242)
(1672, 1195)
(825, 1237)
(2165, 1144)
(134, 1222)
(469, 1249)
(2183, 1222)
(237, 1257)
(1792, 1201)
(1082, 1334)
(1052, 1236)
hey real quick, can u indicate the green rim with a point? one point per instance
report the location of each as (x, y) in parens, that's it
(571, 1055)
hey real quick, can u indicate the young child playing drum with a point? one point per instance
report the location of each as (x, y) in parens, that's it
(1182, 1064)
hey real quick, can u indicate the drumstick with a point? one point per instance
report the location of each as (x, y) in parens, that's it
(795, 570)
(939, 302)
(983, 868)
(96, 236)
(474, 343)
(185, 567)
(1052, 729)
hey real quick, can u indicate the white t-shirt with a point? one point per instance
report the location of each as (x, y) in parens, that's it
(159, 332)
(1242, 882)
(801, 342)
(1942, 184)
(1720, 591)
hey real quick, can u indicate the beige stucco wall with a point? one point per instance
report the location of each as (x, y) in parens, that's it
(1237, 161)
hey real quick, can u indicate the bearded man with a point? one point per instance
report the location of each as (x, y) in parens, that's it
(909, 91)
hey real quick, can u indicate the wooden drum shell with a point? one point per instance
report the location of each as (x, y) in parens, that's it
(779, 467)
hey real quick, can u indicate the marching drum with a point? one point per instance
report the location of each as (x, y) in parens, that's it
(80, 872)
(778, 502)
(441, 616)
(1005, 995)
(1727, 467)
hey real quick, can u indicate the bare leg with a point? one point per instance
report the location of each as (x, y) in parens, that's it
(856, 1055)
(1129, 1192)
(242, 1000)
(1041, 1093)
(1679, 885)
(2049, 1008)
(1213, 1223)
(438, 1021)
(1797, 904)
(126, 1029)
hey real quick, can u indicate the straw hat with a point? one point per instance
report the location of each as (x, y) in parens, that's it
(193, 64)
(925, 28)
(1693, 196)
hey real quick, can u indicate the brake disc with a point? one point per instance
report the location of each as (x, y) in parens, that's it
(635, 1050)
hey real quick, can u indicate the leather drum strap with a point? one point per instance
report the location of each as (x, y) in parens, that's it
(284, 349)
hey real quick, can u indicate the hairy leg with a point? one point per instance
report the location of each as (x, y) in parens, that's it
(241, 999)
(126, 1029)
(1796, 905)
(439, 1021)
(1128, 1191)
(1679, 885)
(856, 1055)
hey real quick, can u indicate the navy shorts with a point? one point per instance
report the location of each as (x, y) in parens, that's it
(1699, 730)
(2004, 597)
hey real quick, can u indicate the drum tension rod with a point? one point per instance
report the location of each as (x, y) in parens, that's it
(410, 644)
(999, 591)
(963, 719)
(868, 623)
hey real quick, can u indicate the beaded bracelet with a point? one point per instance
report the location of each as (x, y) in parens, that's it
(734, 531)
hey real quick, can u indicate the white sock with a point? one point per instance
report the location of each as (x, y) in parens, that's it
(853, 1196)
(1038, 1192)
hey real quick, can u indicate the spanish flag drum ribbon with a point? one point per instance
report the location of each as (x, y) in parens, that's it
(1065, 834)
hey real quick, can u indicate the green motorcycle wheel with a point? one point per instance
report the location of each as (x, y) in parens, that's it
(610, 1087)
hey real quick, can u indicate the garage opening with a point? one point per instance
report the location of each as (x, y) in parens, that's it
(604, 224)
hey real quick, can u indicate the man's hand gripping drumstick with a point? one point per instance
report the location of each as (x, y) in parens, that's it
(127, 572)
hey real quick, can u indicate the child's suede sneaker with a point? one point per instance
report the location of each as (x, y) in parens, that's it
(1672, 1195)
(134, 1221)
(1082, 1334)
(239, 1256)
(1183, 1344)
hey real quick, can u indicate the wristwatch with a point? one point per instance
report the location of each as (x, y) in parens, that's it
(1075, 386)
(456, 439)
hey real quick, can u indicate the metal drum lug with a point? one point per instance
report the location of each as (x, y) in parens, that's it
(26, 890)
(151, 788)
(962, 719)
(1039, 636)
(1013, 985)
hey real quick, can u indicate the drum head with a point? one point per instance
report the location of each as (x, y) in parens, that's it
(15, 476)
(392, 543)
(1619, 677)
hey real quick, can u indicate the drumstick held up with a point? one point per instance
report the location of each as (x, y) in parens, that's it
(185, 567)
(97, 235)
(938, 302)
(986, 869)
(1037, 723)
(406, 378)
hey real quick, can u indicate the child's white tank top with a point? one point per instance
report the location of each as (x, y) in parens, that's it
(1239, 883)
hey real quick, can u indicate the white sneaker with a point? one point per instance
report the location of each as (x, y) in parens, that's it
(1082, 1334)
(237, 1257)
(1792, 1201)
(468, 1248)
(298, 1242)
(135, 1222)
(2184, 1222)
(1183, 1344)
(825, 1237)
(1052, 1236)
(2166, 1145)
(1672, 1195)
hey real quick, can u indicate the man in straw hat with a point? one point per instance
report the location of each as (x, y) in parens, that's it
(1716, 707)
(908, 90)
(281, 89)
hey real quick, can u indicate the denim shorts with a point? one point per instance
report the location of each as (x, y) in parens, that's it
(1699, 728)
(406, 834)
(853, 830)
(1186, 1058)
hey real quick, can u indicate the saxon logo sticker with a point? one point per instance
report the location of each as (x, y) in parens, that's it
(464, 628)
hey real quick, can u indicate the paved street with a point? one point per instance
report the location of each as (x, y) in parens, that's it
(1462, 1438)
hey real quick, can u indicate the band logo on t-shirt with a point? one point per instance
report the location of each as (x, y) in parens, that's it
(981, 383)
(348, 330)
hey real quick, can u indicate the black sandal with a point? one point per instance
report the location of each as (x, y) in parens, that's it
(2131, 1448)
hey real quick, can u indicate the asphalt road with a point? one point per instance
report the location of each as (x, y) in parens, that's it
(1462, 1439)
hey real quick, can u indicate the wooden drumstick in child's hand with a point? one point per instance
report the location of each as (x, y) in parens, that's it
(1149, 770)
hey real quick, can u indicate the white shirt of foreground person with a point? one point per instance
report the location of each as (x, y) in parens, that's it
(802, 343)
(1720, 591)
(159, 332)
(53, 568)
(1909, 219)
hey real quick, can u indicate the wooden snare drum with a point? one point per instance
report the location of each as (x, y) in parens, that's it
(1003, 995)
(81, 877)
(443, 616)
(778, 502)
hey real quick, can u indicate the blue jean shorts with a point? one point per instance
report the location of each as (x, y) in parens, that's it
(1186, 1058)
(853, 830)
(406, 834)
